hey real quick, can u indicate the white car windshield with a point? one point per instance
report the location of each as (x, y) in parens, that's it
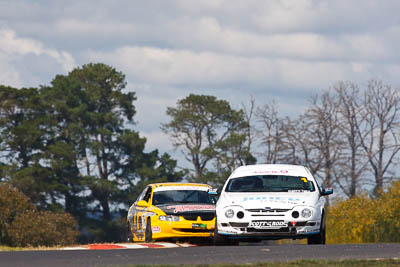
(270, 183)
(182, 196)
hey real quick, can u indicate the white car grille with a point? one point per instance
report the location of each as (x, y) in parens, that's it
(267, 212)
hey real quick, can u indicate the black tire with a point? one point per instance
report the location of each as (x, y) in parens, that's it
(218, 240)
(233, 242)
(320, 238)
(148, 237)
(129, 235)
(221, 240)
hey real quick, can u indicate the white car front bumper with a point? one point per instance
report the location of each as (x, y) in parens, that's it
(272, 224)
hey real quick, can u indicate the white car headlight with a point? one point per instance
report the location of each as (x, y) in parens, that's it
(306, 213)
(170, 218)
(229, 213)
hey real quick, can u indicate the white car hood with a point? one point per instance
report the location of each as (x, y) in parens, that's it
(279, 200)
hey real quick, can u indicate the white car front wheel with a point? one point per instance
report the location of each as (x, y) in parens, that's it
(320, 238)
(221, 240)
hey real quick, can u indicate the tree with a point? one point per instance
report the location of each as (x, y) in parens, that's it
(325, 136)
(71, 146)
(86, 114)
(17, 108)
(207, 128)
(249, 114)
(312, 139)
(347, 221)
(296, 148)
(234, 151)
(353, 164)
(95, 119)
(270, 132)
(12, 203)
(22, 225)
(66, 115)
(22, 139)
(382, 123)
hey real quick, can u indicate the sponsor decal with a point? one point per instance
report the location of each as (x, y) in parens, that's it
(268, 224)
(199, 226)
(156, 229)
(227, 232)
(181, 187)
(289, 200)
(269, 171)
(213, 191)
(261, 199)
(183, 208)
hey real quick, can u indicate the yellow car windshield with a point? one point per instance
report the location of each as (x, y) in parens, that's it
(182, 196)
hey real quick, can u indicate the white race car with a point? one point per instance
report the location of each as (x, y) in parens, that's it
(271, 201)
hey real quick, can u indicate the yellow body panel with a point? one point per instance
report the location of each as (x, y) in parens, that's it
(139, 217)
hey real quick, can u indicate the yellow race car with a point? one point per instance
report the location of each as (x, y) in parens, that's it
(172, 210)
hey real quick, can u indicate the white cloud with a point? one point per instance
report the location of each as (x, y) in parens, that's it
(152, 102)
(81, 27)
(12, 45)
(157, 140)
(8, 74)
(196, 69)
(15, 50)
(183, 67)
(281, 49)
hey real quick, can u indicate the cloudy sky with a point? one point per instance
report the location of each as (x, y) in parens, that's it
(284, 50)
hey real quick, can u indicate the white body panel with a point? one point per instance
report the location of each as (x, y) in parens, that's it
(270, 215)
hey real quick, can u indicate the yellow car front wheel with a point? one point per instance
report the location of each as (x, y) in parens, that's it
(148, 236)
(129, 234)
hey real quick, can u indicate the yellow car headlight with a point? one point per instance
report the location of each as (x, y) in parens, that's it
(169, 218)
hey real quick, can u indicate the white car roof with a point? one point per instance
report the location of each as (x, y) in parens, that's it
(266, 169)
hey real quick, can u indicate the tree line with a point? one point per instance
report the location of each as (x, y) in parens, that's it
(71, 146)
(348, 136)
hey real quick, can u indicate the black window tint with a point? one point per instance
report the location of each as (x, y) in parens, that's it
(147, 194)
(270, 183)
(182, 196)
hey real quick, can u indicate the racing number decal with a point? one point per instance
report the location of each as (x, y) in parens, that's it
(140, 227)
(137, 226)
(140, 214)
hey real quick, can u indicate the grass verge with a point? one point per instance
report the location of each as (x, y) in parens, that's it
(7, 248)
(296, 263)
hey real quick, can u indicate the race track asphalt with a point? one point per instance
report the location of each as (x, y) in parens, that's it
(195, 255)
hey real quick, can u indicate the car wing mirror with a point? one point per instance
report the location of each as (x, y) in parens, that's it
(213, 191)
(142, 203)
(327, 191)
(214, 195)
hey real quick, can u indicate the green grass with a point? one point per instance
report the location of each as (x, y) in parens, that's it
(7, 248)
(296, 263)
